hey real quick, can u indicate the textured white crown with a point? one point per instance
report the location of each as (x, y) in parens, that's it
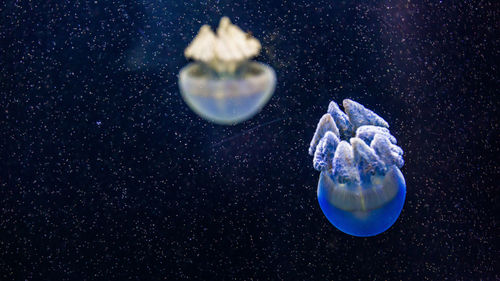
(230, 44)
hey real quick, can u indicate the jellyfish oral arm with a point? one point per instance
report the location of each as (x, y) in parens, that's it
(224, 50)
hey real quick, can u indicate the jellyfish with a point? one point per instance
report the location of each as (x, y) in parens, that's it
(223, 85)
(361, 189)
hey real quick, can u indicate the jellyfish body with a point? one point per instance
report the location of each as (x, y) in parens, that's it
(223, 86)
(227, 99)
(361, 190)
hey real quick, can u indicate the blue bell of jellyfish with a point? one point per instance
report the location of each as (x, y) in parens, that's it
(223, 86)
(361, 190)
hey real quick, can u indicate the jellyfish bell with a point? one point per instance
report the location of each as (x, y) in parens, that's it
(363, 209)
(361, 189)
(223, 85)
(227, 99)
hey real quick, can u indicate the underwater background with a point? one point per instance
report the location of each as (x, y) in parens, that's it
(106, 174)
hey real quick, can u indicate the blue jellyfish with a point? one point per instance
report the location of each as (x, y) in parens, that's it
(223, 86)
(361, 189)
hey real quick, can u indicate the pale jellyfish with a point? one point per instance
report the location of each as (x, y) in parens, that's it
(223, 85)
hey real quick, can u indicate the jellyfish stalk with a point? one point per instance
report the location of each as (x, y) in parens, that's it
(361, 189)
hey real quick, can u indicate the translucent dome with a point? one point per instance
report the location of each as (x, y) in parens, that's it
(361, 190)
(227, 99)
(363, 209)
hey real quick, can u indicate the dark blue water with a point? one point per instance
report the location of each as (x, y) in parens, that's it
(105, 173)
